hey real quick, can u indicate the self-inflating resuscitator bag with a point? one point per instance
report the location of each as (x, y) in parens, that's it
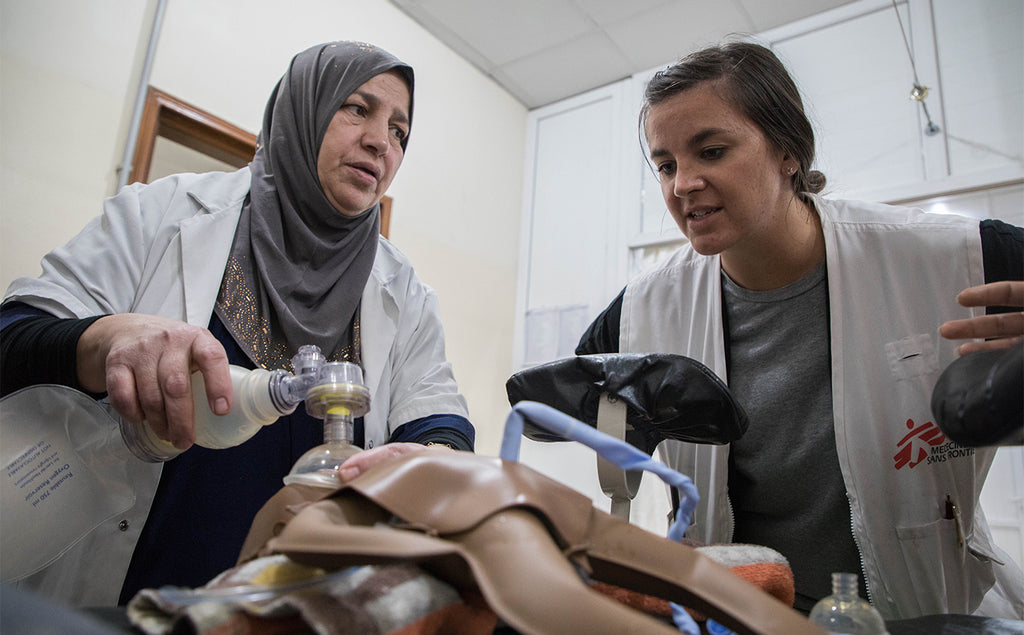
(65, 471)
(977, 400)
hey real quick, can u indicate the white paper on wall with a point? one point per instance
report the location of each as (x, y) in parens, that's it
(553, 333)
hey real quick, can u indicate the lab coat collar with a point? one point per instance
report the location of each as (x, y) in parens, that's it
(206, 243)
(378, 317)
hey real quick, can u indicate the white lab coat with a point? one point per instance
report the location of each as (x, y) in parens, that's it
(889, 289)
(161, 249)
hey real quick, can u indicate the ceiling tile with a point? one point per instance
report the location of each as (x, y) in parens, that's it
(569, 69)
(544, 50)
(666, 33)
(768, 15)
(604, 12)
(498, 30)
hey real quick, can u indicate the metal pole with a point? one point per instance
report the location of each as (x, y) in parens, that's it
(124, 170)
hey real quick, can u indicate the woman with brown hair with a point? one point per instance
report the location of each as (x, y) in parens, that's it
(822, 317)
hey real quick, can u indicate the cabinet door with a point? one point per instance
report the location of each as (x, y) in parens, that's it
(856, 78)
(980, 59)
(855, 73)
(569, 244)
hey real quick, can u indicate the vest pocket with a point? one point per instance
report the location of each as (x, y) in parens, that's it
(944, 577)
(912, 356)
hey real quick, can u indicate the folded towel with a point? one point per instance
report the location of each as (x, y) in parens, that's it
(761, 566)
(273, 595)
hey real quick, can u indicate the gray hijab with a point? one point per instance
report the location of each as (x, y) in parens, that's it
(298, 266)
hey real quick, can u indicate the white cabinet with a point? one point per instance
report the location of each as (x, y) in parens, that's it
(981, 63)
(855, 73)
(856, 78)
(572, 222)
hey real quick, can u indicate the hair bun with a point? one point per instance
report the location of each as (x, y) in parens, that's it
(815, 181)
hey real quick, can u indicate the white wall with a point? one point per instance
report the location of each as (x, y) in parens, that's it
(69, 72)
(65, 76)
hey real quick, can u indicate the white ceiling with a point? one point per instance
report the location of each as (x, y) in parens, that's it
(544, 50)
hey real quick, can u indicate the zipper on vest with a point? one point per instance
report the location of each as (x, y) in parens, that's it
(860, 556)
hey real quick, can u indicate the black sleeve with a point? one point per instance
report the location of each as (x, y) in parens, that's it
(455, 439)
(452, 430)
(39, 349)
(1002, 247)
(602, 336)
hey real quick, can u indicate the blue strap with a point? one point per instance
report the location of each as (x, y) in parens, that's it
(611, 449)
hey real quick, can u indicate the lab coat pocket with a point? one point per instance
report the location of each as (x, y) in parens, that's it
(912, 356)
(948, 576)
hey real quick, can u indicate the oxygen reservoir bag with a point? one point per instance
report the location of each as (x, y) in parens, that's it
(65, 471)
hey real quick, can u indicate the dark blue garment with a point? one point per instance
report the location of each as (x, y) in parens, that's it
(206, 499)
(14, 311)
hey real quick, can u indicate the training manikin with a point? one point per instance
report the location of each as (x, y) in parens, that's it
(516, 536)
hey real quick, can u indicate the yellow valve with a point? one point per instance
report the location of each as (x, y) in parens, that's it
(338, 397)
(323, 399)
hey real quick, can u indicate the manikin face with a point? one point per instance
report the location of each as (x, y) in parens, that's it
(362, 150)
(726, 187)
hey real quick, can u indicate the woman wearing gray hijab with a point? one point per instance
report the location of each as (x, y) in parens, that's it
(196, 272)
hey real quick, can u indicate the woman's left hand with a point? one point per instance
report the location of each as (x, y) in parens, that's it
(1000, 330)
(363, 461)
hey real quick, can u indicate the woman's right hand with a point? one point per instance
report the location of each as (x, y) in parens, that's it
(144, 363)
(996, 331)
(361, 462)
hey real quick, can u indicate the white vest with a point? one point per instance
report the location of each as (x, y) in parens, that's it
(893, 276)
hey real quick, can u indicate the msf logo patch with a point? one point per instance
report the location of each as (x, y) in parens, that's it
(926, 444)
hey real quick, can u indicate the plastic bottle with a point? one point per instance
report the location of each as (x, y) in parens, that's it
(846, 612)
(337, 397)
(260, 398)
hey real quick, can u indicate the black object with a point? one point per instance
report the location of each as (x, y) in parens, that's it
(954, 624)
(667, 397)
(979, 398)
(25, 612)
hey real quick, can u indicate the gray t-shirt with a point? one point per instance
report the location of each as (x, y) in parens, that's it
(785, 485)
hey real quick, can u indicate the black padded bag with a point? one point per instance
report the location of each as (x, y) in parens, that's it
(667, 396)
